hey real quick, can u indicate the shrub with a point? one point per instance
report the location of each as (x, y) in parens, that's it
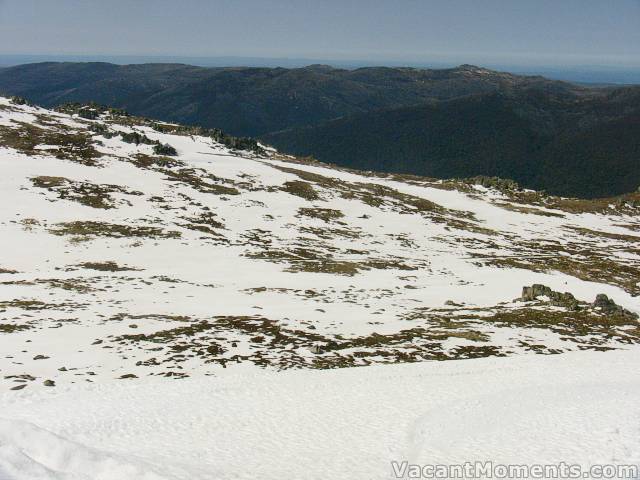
(136, 138)
(164, 149)
(101, 129)
(88, 113)
(19, 101)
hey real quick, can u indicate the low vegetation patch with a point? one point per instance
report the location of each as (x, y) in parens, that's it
(11, 328)
(201, 181)
(503, 185)
(300, 189)
(106, 267)
(514, 207)
(325, 214)
(30, 304)
(217, 135)
(103, 229)
(628, 204)
(328, 233)
(77, 285)
(86, 193)
(69, 145)
(315, 261)
(142, 160)
(122, 117)
(120, 317)
(272, 345)
(586, 264)
(380, 196)
(580, 326)
(206, 222)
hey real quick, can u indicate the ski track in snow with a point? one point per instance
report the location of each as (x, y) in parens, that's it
(581, 408)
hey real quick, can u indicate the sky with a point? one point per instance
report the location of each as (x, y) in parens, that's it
(534, 32)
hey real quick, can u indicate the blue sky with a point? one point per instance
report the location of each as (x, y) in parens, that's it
(551, 32)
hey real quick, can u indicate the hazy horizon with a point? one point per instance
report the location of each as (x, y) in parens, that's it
(594, 74)
(545, 33)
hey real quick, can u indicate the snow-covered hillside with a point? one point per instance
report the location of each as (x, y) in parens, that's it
(136, 254)
(581, 408)
(120, 262)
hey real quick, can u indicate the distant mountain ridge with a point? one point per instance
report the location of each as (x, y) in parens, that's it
(253, 101)
(456, 122)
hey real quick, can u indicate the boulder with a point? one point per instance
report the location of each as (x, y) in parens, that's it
(604, 303)
(451, 303)
(535, 291)
(557, 299)
(609, 307)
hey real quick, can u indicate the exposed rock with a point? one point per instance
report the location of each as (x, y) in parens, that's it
(565, 299)
(500, 184)
(603, 303)
(316, 349)
(608, 306)
(534, 291)
(40, 357)
(19, 387)
(557, 299)
(49, 383)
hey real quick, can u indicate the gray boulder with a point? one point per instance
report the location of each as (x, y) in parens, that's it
(557, 299)
(609, 307)
(534, 291)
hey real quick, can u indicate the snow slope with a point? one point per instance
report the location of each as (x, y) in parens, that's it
(580, 408)
(190, 316)
(117, 261)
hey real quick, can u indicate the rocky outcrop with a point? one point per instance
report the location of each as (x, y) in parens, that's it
(608, 306)
(602, 302)
(559, 299)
